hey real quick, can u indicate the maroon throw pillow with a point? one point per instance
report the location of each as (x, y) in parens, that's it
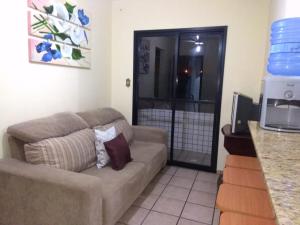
(118, 151)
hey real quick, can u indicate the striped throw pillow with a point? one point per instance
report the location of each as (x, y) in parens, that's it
(74, 152)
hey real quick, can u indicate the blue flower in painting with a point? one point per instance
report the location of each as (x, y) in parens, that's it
(48, 36)
(56, 54)
(84, 20)
(47, 57)
(40, 48)
(44, 46)
(50, 53)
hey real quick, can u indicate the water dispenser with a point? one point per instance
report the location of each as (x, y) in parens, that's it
(284, 58)
(280, 109)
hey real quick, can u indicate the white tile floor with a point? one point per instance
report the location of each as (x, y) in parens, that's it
(177, 196)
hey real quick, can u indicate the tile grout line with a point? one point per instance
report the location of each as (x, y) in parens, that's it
(211, 207)
(150, 210)
(203, 181)
(187, 198)
(172, 175)
(201, 205)
(204, 192)
(163, 213)
(186, 201)
(218, 186)
(166, 185)
(212, 221)
(179, 217)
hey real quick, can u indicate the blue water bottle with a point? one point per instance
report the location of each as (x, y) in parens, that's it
(284, 58)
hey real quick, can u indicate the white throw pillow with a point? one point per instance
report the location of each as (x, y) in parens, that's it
(101, 137)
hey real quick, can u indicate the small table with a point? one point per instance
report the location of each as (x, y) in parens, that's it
(238, 144)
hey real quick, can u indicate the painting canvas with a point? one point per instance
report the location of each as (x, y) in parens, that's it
(144, 56)
(47, 51)
(59, 33)
(62, 9)
(66, 32)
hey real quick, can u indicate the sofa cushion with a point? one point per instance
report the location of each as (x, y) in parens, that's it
(118, 151)
(119, 188)
(153, 155)
(122, 126)
(73, 152)
(58, 125)
(100, 117)
(101, 137)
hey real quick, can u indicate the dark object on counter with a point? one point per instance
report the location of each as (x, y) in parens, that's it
(243, 109)
(238, 144)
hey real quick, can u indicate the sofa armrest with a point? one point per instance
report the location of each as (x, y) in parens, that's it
(37, 194)
(150, 134)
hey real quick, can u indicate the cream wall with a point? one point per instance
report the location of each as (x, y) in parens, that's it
(284, 9)
(247, 22)
(29, 91)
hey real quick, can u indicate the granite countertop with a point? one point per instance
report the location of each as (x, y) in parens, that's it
(279, 155)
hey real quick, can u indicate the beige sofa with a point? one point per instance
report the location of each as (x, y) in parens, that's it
(43, 195)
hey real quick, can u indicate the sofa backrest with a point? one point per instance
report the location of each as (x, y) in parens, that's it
(57, 125)
(16, 148)
(100, 117)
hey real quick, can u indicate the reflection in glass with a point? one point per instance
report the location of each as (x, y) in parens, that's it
(156, 66)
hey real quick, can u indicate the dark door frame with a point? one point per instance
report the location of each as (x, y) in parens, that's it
(157, 71)
(222, 30)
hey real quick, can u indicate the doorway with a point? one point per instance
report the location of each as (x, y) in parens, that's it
(178, 76)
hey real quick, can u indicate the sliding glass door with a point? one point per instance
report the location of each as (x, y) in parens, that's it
(177, 87)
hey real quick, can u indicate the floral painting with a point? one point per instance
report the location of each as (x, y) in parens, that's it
(59, 33)
(46, 51)
(62, 9)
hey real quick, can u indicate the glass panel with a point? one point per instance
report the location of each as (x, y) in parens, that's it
(191, 92)
(198, 69)
(193, 132)
(156, 56)
(197, 83)
(156, 114)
